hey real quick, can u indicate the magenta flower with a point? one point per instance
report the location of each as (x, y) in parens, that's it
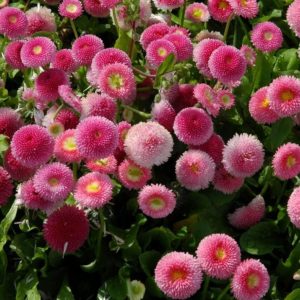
(64, 60)
(220, 10)
(12, 54)
(106, 165)
(247, 9)
(153, 33)
(71, 9)
(293, 17)
(249, 54)
(67, 118)
(197, 12)
(6, 187)
(10, 121)
(123, 128)
(293, 207)
(163, 113)
(95, 8)
(68, 95)
(225, 98)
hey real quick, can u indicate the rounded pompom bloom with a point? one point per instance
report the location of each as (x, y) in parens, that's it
(96, 137)
(293, 17)
(178, 275)
(156, 201)
(93, 190)
(225, 98)
(259, 107)
(250, 280)
(63, 60)
(6, 187)
(31, 199)
(163, 113)
(193, 126)
(213, 147)
(99, 105)
(47, 83)
(197, 12)
(106, 165)
(40, 19)
(266, 36)
(168, 4)
(158, 50)
(85, 48)
(13, 22)
(12, 54)
(293, 207)
(153, 33)
(286, 161)
(132, 176)
(179, 30)
(220, 10)
(246, 9)
(249, 54)
(219, 255)
(148, 144)
(117, 81)
(10, 121)
(202, 53)
(32, 146)
(17, 171)
(195, 169)
(66, 229)
(67, 118)
(67, 94)
(37, 52)
(227, 64)
(71, 9)
(247, 216)
(243, 155)
(123, 128)
(226, 183)
(284, 95)
(54, 181)
(95, 8)
(65, 149)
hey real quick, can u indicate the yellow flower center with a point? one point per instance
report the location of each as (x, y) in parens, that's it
(157, 203)
(268, 36)
(116, 81)
(290, 161)
(53, 181)
(72, 8)
(286, 96)
(178, 275)
(220, 253)
(162, 52)
(252, 281)
(69, 144)
(134, 173)
(93, 187)
(197, 13)
(37, 50)
(194, 167)
(12, 19)
(244, 3)
(265, 103)
(223, 5)
(101, 162)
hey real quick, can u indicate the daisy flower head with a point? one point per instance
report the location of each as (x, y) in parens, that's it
(163, 113)
(106, 165)
(63, 59)
(197, 12)
(71, 9)
(6, 186)
(10, 121)
(168, 4)
(123, 128)
(245, 8)
(225, 98)
(293, 207)
(152, 33)
(249, 54)
(293, 17)
(220, 10)
(95, 8)
(12, 54)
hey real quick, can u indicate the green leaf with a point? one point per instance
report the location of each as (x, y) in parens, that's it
(124, 42)
(65, 292)
(166, 66)
(260, 239)
(294, 295)
(287, 60)
(3, 265)
(28, 287)
(4, 144)
(148, 261)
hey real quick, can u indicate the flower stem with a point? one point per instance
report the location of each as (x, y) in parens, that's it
(101, 234)
(130, 52)
(115, 20)
(74, 28)
(205, 288)
(140, 113)
(227, 27)
(224, 292)
(142, 73)
(183, 13)
(75, 169)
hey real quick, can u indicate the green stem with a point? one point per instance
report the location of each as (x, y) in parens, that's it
(74, 28)
(101, 234)
(205, 288)
(264, 189)
(130, 53)
(224, 292)
(142, 73)
(249, 190)
(183, 14)
(115, 20)
(227, 27)
(75, 170)
(140, 113)
(57, 111)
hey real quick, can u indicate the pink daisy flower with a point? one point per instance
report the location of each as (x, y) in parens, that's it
(156, 201)
(67, 118)
(245, 8)
(55, 129)
(182, 44)
(95, 8)
(179, 30)
(202, 53)
(193, 126)
(153, 33)
(148, 144)
(248, 215)
(266, 36)
(17, 171)
(250, 280)
(96, 137)
(12, 54)
(63, 60)
(37, 52)
(178, 275)
(259, 107)
(225, 98)
(205, 34)
(47, 83)
(132, 176)
(249, 54)
(293, 17)
(54, 181)
(106, 165)
(194, 170)
(219, 255)
(117, 81)
(284, 95)
(225, 182)
(40, 19)
(65, 148)
(68, 95)
(99, 105)
(168, 4)
(13, 22)
(93, 190)
(220, 10)
(286, 161)
(197, 12)
(243, 155)
(227, 64)
(293, 207)
(163, 113)
(10, 121)
(28, 94)
(66, 229)
(158, 50)
(213, 147)
(6, 187)
(123, 128)
(32, 146)
(85, 48)
(71, 9)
